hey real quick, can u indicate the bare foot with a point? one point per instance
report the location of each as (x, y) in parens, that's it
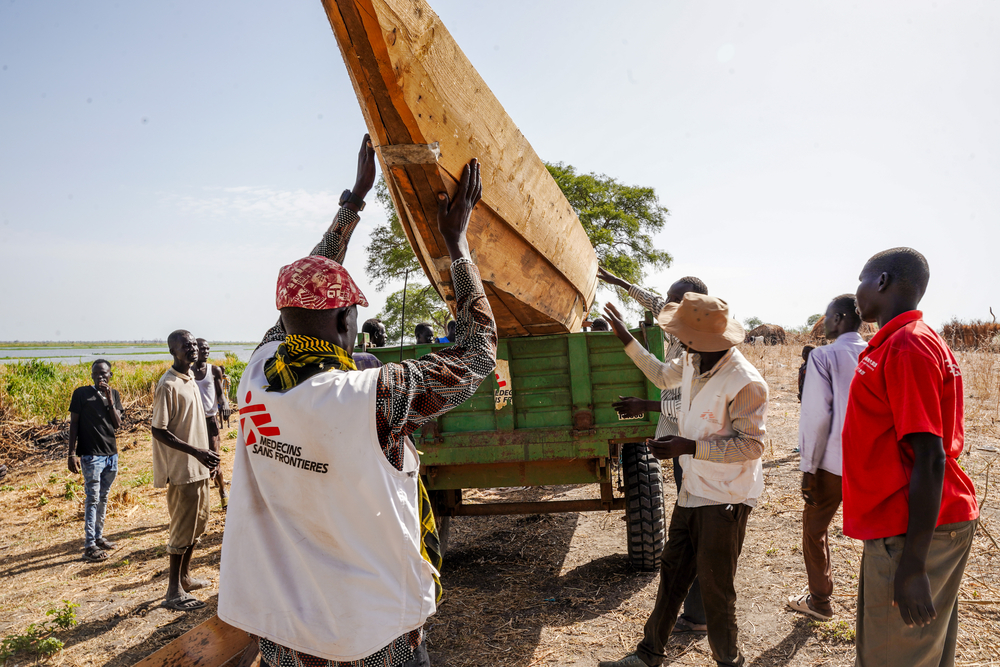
(193, 584)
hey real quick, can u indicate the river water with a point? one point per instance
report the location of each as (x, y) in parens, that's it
(75, 355)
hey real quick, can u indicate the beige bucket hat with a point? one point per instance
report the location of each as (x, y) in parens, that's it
(702, 323)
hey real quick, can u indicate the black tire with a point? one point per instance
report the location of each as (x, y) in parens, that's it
(643, 506)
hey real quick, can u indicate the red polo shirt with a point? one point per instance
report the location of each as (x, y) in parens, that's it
(907, 381)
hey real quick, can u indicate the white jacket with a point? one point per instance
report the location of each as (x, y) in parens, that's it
(706, 417)
(321, 551)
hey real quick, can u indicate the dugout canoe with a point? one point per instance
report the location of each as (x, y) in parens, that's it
(429, 112)
(212, 643)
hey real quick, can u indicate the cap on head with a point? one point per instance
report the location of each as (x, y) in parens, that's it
(316, 283)
(702, 323)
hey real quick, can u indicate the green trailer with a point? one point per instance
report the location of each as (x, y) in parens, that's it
(545, 418)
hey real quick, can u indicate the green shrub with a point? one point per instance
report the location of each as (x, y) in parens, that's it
(234, 369)
(37, 638)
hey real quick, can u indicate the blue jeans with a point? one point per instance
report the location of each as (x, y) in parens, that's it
(99, 473)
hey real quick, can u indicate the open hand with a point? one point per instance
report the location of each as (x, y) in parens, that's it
(454, 214)
(617, 323)
(912, 594)
(611, 278)
(670, 447)
(366, 168)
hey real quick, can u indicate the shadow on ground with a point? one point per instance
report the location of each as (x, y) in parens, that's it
(503, 585)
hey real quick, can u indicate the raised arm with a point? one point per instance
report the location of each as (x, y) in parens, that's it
(664, 375)
(414, 392)
(334, 243)
(646, 299)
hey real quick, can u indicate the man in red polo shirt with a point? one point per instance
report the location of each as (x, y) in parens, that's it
(904, 492)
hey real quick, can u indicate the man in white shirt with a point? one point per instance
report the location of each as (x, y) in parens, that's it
(722, 424)
(821, 420)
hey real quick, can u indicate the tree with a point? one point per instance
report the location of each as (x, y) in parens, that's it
(390, 259)
(422, 305)
(389, 253)
(619, 219)
(752, 323)
(813, 319)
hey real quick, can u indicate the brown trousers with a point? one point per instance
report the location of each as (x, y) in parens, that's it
(815, 542)
(706, 540)
(883, 640)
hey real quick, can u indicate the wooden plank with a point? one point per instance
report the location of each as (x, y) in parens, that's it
(213, 643)
(416, 87)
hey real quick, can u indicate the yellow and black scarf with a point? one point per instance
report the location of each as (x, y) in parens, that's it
(289, 366)
(299, 354)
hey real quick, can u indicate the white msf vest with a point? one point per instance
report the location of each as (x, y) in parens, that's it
(706, 417)
(321, 551)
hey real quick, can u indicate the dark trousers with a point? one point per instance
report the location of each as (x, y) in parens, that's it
(694, 608)
(700, 539)
(420, 657)
(828, 493)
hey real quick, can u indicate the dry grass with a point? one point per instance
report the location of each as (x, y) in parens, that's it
(972, 335)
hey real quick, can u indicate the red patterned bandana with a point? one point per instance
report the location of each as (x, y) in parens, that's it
(316, 283)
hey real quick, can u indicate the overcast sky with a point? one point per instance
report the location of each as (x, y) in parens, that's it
(160, 161)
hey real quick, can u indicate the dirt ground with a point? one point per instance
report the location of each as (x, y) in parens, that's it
(520, 591)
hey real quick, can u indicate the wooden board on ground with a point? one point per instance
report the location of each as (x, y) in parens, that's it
(213, 643)
(429, 112)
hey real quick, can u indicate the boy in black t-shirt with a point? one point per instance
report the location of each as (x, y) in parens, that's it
(95, 412)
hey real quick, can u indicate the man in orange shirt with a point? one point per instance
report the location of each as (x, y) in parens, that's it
(905, 494)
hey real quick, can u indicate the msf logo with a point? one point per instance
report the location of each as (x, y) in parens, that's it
(260, 418)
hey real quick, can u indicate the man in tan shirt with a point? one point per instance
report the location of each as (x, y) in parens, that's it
(183, 463)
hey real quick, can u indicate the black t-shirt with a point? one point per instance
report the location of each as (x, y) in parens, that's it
(95, 434)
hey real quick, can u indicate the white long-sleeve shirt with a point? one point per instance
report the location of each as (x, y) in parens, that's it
(824, 402)
(670, 399)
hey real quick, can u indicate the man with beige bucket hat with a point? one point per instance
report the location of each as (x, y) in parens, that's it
(722, 424)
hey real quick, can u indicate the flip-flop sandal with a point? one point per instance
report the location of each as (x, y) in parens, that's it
(195, 584)
(800, 603)
(186, 603)
(95, 555)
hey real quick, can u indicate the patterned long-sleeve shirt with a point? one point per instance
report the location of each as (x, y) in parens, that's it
(670, 399)
(409, 394)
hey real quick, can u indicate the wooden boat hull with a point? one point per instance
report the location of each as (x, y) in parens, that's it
(213, 643)
(429, 112)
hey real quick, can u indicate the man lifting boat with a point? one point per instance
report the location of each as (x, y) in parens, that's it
(330, 555)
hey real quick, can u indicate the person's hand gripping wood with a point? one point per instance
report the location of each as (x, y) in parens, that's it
(454, 213)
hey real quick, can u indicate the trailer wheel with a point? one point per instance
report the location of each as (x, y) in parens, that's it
(643, 506)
